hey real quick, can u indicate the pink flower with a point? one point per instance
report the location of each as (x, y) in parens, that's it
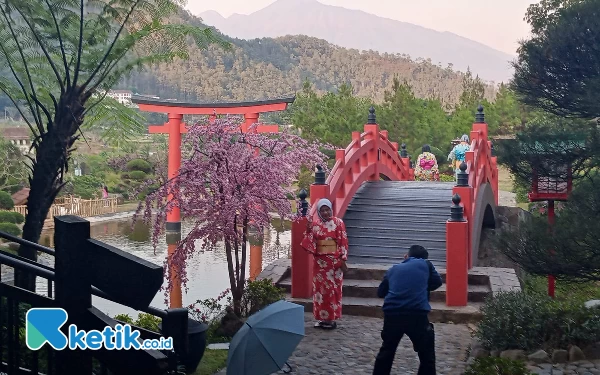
(223, 186)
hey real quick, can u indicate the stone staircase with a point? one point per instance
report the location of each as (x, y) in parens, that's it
(360, 294)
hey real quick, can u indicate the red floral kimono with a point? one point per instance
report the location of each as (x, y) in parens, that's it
(328, 277)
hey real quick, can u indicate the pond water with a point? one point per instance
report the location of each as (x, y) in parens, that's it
(207, 271)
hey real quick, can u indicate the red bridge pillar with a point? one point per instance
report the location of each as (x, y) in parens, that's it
(466, 194)
(457, 263)
(372, 134)
(302, 261)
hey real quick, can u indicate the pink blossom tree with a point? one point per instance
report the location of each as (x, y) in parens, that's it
(230, 182)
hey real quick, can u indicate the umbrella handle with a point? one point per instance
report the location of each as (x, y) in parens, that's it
(290, 367)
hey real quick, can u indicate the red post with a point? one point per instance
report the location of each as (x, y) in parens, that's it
(174, 161)
(173, 225)
(466, 194)
(250, 119)
(551, 280)
(302, 262)
(372, 130)
(457, 273)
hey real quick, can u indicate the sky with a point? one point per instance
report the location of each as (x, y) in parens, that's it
(496, 23)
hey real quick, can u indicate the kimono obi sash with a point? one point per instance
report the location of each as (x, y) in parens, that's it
(326, 246)
(427, 164)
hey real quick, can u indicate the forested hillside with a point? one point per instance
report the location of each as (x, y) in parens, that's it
(263, 68)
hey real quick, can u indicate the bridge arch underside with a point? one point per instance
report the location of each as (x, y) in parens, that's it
(385, 218)
(485, 217)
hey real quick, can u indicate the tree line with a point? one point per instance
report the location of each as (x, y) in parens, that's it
(409, 119)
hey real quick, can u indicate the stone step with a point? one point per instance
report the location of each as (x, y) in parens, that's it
(368, 289)
(376, 271)
(371, 307)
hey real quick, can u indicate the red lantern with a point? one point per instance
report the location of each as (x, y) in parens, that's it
(553, 187)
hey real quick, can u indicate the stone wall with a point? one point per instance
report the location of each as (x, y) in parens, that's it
(507, 218)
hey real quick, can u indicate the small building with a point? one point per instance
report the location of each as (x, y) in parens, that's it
(18, 136)
(122, 96)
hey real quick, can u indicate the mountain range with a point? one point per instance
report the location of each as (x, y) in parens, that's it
(262, 68)
(359, 30)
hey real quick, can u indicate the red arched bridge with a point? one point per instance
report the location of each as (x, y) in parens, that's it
(372, 187)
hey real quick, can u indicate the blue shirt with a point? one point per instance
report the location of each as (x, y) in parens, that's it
(406, 286)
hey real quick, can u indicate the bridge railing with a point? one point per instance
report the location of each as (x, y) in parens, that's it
(369, 155)
(479, 168)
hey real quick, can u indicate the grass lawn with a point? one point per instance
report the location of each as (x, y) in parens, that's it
(577, 293)
(505, 182)
(212, 362)
(127, 206)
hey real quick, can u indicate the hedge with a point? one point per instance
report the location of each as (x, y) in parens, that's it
(6, 201)
(11, 217)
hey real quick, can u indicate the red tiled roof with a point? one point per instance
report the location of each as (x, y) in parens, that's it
(15, 133)
(20, 197)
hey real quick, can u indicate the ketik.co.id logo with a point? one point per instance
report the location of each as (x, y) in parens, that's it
(43, 326)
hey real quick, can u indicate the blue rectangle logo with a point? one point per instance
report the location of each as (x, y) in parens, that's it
(43, 325)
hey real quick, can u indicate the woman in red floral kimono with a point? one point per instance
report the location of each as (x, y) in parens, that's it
(328, 241)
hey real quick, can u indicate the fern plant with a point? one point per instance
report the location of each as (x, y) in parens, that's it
(59, 58)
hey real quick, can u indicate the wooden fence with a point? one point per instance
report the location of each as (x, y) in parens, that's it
(77, 207)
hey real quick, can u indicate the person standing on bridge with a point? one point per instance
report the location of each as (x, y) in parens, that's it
(405, 289)
(427, 167)
(328, 241)
(457, 155)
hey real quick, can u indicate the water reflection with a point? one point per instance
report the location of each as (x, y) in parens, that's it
(207, 270)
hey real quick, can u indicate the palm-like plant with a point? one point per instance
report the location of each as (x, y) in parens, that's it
(59, 58)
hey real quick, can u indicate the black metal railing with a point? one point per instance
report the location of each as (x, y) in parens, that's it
(69, 282)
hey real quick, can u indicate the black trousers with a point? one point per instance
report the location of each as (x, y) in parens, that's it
(419, 331)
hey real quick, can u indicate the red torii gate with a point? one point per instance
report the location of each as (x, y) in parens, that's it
(174, 127)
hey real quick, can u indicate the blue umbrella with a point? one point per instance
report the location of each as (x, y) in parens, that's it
(268, 338)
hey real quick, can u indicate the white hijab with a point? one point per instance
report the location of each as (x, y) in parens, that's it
(323, 202)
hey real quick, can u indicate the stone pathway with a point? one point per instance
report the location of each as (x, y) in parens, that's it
(351, 349)
(573, 368)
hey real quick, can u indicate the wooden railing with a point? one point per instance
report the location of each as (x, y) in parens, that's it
(78, 207)
(84, 267)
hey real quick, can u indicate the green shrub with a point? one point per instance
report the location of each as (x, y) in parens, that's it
(258, 294)
(125, 318)
(517, 320)
(446, 178)
(10, 228)
(521, 189)
(136, 175)
(305, 179)
(497, 366)
(11, 217)
(139, 165)
(86, 187)
(146, 321)
(6, 202)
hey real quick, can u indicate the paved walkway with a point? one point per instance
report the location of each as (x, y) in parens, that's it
(351, 349)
